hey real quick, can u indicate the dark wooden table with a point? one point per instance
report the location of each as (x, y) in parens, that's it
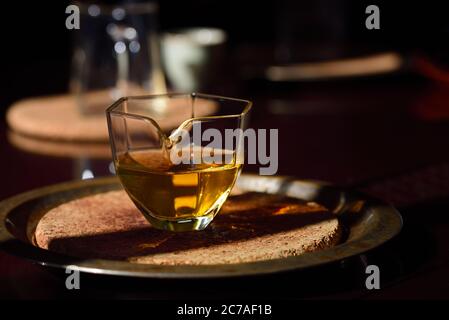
(388, 136)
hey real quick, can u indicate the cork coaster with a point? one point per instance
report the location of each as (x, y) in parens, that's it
(59, 118)
(250, 227)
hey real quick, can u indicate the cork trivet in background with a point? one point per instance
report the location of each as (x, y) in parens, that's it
(60, 118)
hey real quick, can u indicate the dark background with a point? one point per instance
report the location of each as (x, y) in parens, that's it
(36, 47)
(385, 135)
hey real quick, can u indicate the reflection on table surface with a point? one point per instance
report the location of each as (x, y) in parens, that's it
(345, 136)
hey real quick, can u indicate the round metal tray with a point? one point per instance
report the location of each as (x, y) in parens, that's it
(368, 224)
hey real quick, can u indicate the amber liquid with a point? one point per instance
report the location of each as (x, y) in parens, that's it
(174, 192)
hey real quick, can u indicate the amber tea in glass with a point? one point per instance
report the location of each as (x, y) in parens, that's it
(178, 196)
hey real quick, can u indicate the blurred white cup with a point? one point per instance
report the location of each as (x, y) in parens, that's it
(191, 57)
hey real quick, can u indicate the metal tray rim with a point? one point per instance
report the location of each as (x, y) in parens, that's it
(14, 246)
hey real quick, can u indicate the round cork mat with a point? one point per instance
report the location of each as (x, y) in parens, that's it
(250, 227)
(56, 118)
(60, 118)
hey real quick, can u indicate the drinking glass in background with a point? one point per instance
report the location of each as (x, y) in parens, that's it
(116, 54)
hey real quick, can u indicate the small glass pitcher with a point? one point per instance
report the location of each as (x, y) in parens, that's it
(178, 169)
